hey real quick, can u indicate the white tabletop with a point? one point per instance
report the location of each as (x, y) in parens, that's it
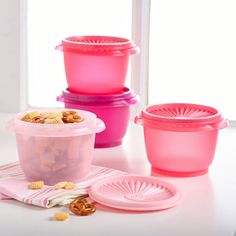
(207, 208)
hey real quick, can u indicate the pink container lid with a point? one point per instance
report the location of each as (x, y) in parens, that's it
(184, 116)
(99, 45)
(91, 124)
(126, 97)
(135, 193)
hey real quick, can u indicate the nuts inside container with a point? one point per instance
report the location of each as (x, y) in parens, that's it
(53, 117)
(71, 117)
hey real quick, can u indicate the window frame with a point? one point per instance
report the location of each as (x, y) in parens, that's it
(23, 57)
(140, 63)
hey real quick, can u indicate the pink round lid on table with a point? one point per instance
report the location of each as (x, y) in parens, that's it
(135, 193)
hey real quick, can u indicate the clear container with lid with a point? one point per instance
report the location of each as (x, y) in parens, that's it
(56, 152)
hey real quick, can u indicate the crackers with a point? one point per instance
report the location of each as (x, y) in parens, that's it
(61, 216)
(36, 185)
(64, 185)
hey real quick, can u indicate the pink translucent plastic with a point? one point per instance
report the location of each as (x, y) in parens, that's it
(99, 45)
(180, 153)
(181, 139)
(96, 64)
(135, 193)
(95, 74)
(114, 110)
(56, 152)
(55, 159)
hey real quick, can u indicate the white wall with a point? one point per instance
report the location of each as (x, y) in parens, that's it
(9, 55)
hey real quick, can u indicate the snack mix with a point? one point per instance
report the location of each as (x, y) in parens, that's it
(53, 117)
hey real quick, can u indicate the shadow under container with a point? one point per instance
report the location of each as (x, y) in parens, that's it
(113, 109)
(180, 138)
(56, 152)
(96, 64)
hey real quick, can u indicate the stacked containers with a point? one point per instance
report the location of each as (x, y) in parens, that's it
(96, 68)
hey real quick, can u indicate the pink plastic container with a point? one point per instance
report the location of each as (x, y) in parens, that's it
(114, 110)
(96, 64)
(181, 138)
(56, 152)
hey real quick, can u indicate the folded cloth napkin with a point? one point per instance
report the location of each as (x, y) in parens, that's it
(14, 185)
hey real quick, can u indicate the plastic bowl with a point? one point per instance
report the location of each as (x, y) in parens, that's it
(114, 110)
(56, 152)
(96, 64)
(181, 138)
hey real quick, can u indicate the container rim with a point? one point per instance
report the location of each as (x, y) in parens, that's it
(214, 116)
(87, 126)
(97, 41)
(98, 46)
(126, 95)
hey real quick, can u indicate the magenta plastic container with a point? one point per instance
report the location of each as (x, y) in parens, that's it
(181, 138)
(96, 64)
(114, 110)
(56, 152)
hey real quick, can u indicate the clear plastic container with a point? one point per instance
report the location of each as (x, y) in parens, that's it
(181, 138)
(96, 64)
(56, 152)
(113, 109)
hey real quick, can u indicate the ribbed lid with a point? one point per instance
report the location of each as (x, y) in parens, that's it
(182, 113)
(136, 193)
(98, 43)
